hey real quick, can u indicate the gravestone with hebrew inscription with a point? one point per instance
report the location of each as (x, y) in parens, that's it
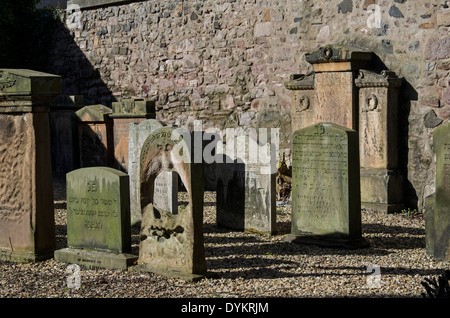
(326, 208)
(246, 189)
(437, 213)
(27, 224)
(98, 219)
(172, 242)
(347, 88)
(166, 184)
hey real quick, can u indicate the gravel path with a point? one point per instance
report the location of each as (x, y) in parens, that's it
(251, 265)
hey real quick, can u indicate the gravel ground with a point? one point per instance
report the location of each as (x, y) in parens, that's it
(251, 265)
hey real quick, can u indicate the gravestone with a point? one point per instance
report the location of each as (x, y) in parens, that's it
(437, 213)
(166, 184)
(171, 244)
(326, 208)
(98, 219)
(381, 179)
(125, 113)
(347, 88)
(27, 224)
(63, 132)
(95, 136)
(246, 188)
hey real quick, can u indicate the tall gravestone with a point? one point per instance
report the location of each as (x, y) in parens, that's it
(167, 182)
(246, 188)
(437, 213)
(98, 219)
(27, 225)
(347, 88)
(326, 208)
(171, 244)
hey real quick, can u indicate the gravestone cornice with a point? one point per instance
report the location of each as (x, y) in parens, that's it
(23, 82)
(300, 82)
(385, 78)
(335, 58)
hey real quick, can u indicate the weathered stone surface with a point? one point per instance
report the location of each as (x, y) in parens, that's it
(64, 134)
(326, 205)
(138, 133)
(430, 120)
(98, 219)
(437, 214)
(438, 49)
(27, 225)
(95, 136)
(171, 243)
(98, 212)
(246, 189)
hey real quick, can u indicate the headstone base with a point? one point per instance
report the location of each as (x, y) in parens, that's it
(327, 241)
(381, 190)
(23, 257)
(171, 273)
(95, 259)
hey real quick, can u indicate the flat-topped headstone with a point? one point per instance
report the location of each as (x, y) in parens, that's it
(246, 188)
(326, 207)
(98, 219)
(27, 225)
(437, 214)
(171, 243)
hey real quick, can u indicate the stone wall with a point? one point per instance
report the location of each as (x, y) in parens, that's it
(225, 61)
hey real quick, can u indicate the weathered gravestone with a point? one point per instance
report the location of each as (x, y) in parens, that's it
(27, 225)
(437, 214)
(347, 88)
(95, 136)
(166, 185)
(98, 219)
(171, 244)
(326, 208)
(246, 188)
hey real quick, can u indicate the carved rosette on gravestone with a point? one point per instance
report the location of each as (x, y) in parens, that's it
(171, 244)
(98, 219)
(27, 223)
(167, 182)
(326, 208)
(246, 185)
(437, 213)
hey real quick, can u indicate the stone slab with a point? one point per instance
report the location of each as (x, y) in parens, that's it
(98, 210)
(95, 259)
(326, 186)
